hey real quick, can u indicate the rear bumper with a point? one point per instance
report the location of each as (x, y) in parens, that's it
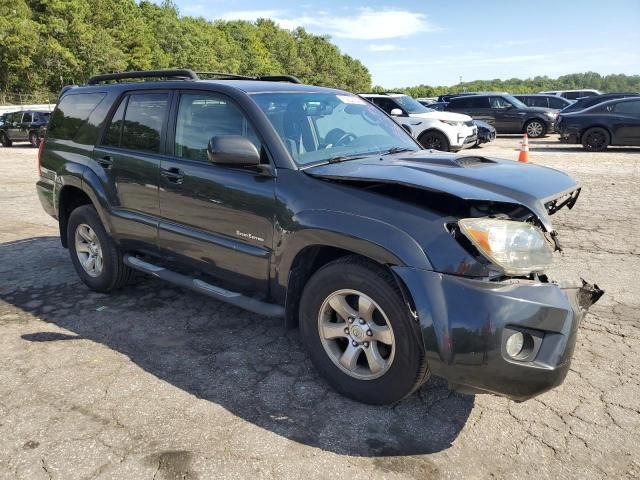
(569, 136)
(465, 325)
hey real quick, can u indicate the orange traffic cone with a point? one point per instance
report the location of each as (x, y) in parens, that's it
(524, 150)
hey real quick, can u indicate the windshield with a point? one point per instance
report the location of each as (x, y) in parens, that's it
(514, 101)
(319, 127)
(410, 105)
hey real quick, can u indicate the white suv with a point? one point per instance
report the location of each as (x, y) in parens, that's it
(436, 130)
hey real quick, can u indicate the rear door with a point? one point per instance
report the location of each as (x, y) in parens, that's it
(129, 155)
(217, 218)
(13, 126)
(626, 130)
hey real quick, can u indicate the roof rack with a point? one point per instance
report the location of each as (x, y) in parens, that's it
(186, 74)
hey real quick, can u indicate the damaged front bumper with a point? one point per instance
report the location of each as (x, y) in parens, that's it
(466, 324)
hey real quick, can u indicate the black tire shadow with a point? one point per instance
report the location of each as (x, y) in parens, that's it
(250, 365)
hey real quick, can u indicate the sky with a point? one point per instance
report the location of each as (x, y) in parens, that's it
(405, 43)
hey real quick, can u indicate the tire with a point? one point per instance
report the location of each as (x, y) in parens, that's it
(596, 139)
(535, 128)
(34, 139)
(433, 140)
(113, 273)
(399, 356)
(4, 140)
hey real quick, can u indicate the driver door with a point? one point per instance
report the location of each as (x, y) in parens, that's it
(506, 116)
(220, 219)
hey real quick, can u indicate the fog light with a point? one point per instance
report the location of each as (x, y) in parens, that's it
(515, 344)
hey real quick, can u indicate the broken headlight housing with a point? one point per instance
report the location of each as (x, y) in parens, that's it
(518, 248)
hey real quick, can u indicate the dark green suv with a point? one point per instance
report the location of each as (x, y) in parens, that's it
(312, 204)
(23, 126)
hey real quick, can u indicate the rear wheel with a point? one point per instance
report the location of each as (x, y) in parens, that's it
(434, 141)
(359, 332)
(4, 140)
(34, 139)
(596, 139)
(535, 128)
(95, 256)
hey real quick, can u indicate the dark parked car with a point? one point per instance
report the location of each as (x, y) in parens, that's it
(547, 101)
(486, 133)
(23, 126)
(506, 113)
(312, 204)
(616, 122)
(596, 99)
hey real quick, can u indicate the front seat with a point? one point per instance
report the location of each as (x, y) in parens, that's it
(298, 133)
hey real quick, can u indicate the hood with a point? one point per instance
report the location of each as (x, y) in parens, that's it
(469, 178)
(437, 115)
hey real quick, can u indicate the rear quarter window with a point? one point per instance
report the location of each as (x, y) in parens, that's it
(69, 119)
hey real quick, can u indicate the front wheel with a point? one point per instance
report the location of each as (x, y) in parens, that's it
(359, 332)
(434, 141)
(535, 128)
(95, 256)
(596, 139)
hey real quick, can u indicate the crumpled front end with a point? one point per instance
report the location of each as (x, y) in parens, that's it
(469, 327)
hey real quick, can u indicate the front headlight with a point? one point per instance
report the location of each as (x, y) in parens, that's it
(452, 123)
(517, 248)
(551, 114)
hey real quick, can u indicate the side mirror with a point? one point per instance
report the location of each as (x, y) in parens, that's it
(233, 150)
(395, 112)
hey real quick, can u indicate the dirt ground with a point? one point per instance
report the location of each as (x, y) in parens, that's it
(155, 382)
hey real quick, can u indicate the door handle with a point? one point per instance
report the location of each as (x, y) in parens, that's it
(105, 162)
(173, 174)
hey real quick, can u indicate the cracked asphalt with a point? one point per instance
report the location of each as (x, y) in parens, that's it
(155, 382)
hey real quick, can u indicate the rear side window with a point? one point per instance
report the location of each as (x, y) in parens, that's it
(71, 114)
(137, 123)
(628, 107)
(556, 102)
(202, 116)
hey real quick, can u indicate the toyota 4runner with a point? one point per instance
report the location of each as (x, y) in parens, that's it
(313, 205)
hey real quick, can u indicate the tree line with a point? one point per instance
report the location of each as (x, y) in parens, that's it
(45, 44)
(604, 83)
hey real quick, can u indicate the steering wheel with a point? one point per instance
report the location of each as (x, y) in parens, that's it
(342, 141)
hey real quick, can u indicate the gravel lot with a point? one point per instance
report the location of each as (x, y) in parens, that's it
(166, 384)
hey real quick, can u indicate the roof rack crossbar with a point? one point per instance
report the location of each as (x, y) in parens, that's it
(224, 75)
(279, 78)
(184, 74)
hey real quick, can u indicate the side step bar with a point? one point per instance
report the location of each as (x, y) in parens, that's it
(234, 298)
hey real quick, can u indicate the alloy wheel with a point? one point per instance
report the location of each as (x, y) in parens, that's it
(535, 129)
(89, 250)
(356, 334)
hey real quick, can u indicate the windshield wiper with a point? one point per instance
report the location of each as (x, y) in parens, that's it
(397, 150)
(344, 158)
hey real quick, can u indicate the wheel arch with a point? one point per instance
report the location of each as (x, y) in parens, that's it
(303, 252)
(77, 191)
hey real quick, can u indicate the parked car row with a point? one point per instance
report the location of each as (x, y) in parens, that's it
(23, 126)
(585, 116)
